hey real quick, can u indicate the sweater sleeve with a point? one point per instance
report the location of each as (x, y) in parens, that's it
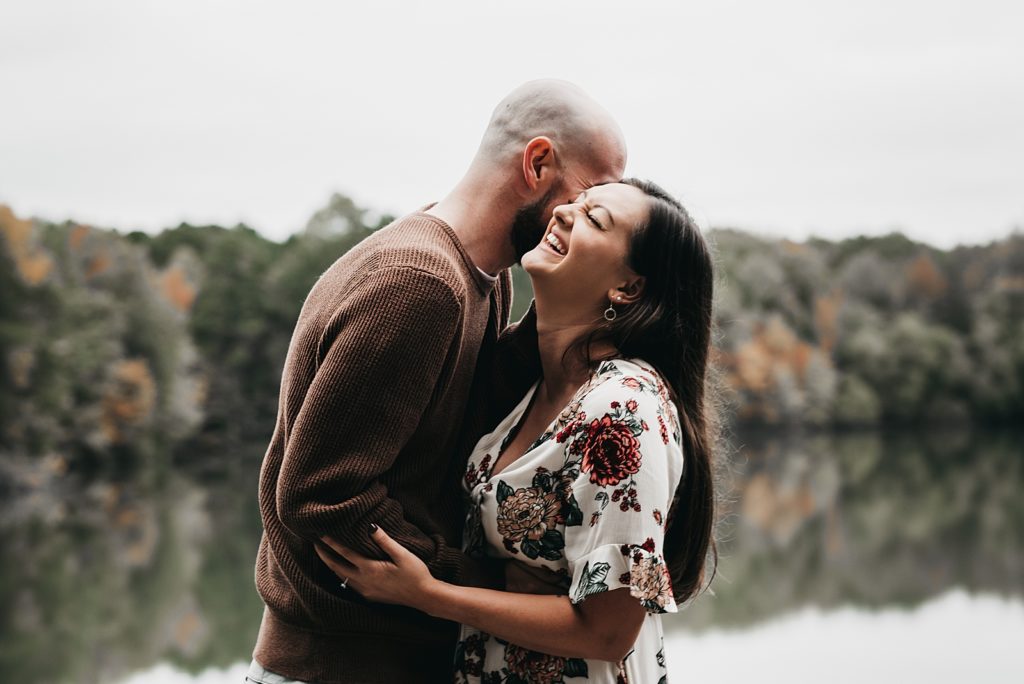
(380, 361)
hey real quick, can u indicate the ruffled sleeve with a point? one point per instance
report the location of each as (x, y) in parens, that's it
(628, 469)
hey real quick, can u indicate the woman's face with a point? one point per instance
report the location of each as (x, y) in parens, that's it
(580, 263)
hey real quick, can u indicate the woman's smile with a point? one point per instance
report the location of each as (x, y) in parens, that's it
(552, 241)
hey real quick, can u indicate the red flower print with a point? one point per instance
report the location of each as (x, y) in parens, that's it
(644, 425)
(610, 452)
(616, 404)
(475, 475)
(657, 516)
(648, 545)
(663, 429)
(565, 432)
(533, 666)
(624, 578)
(631, 383)
(631, 405)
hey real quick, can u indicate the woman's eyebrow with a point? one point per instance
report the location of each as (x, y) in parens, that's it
(611, 219)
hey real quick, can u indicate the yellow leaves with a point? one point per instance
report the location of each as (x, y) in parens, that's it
(129, 399)
(31, 261)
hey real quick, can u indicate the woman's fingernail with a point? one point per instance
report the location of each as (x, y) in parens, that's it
(373, 527)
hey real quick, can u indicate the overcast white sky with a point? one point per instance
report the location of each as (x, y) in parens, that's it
(786, 117)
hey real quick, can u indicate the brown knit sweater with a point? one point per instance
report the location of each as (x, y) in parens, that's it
(371, 428)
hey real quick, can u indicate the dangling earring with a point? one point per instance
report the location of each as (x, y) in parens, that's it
(610, 313)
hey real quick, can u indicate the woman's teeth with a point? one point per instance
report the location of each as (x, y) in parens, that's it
(555, 243)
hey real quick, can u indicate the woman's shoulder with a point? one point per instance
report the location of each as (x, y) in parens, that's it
(634, 388)
(626, 377)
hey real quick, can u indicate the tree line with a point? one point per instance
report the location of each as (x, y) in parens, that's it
(119, 347)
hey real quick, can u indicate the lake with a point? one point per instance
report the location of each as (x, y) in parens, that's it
(895, 557)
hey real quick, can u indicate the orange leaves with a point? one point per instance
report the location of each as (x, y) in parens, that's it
(924, 278)
(775, 508)
(826, 319)
(772, 371)
(177, 289)
(31, 261)
(129, 399)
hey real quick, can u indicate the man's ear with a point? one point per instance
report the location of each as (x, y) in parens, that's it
(627, 292)
(539, 163)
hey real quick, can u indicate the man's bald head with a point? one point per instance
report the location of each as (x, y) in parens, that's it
(583, 133)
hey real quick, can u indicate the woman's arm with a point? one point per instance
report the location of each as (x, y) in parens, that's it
(603, 627)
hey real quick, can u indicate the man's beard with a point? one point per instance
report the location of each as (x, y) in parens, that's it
(529, 225)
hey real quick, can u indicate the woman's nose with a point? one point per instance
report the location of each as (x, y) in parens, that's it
(563, 214)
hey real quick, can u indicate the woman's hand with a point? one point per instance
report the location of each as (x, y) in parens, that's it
(404, 579)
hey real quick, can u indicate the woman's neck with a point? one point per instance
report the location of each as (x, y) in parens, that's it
(562, 373)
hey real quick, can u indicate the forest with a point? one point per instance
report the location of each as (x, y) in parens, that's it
(124, 348)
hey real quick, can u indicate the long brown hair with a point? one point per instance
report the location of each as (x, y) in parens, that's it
(669, 327)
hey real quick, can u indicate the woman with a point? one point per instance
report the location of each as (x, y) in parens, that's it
(623, 287)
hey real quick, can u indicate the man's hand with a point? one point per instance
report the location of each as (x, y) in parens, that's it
(528, 579)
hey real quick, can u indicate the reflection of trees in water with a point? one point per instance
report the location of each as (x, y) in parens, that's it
(126, 575)
(868, 520)
(110, 579)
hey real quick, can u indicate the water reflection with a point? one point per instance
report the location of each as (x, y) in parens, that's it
(102, 580)
(867, 520)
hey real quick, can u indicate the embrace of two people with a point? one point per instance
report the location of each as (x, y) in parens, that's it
(449, 498)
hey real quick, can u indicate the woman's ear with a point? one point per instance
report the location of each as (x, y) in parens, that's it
(539, 163)
(627, 292)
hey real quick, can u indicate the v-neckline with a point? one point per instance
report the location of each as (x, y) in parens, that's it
(519, 413)
(517, 421)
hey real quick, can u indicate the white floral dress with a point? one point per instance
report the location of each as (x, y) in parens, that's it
(588, 500)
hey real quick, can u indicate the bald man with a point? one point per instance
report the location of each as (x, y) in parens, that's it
(372, 427)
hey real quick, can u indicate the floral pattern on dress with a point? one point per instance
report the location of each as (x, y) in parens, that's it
(649, 579)
(655, 385)
(585, 500)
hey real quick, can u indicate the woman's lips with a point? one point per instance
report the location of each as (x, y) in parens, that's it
(555, 244)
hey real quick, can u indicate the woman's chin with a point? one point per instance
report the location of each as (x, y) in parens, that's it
(532, 261)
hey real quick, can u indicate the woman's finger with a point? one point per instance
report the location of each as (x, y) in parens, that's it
(348, 554)
(339, 567)
(393, 549)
